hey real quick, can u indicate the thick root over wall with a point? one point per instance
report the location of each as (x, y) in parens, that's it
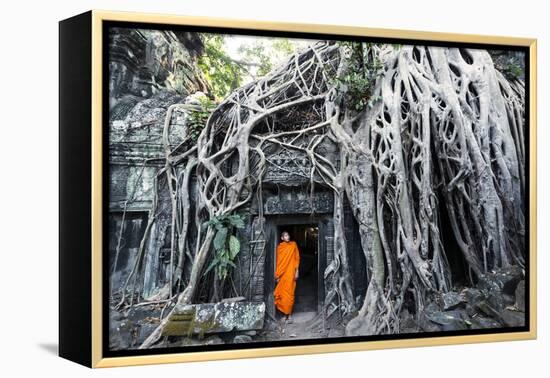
(443, 130)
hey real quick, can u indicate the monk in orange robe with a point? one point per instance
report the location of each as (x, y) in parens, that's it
(286, 274)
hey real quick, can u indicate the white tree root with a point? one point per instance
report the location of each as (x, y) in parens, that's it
(443, 131)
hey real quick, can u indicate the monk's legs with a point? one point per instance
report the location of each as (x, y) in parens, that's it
(284, 298)
(283, 316)
(288, 317)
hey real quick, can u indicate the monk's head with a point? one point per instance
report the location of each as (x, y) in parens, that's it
(285, 236)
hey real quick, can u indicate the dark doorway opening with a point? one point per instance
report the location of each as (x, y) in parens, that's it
(133, 225)
(455, 257)
(307, 286)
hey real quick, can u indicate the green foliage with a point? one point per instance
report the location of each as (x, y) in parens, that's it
(509, 63)
(283, 45)
(226, 245)
(357, 82)
(197, 117)
(218, 67)
(234, 246)
(255, 58)
(512, 70)
(256, 54)
(264, 53)
(220, 240)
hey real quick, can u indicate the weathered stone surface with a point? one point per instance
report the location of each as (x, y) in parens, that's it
(427, 325)
(149, 70)
(298, 202)
(215, 317)
(407, 322)
(144, 332)
(503, 280)
(292, 168)
(450, 320)
(520, 296)
(129, 328)
(498, 288)
(485, 307)
(234, 299)
(451, 300)
(512, 318)
(213, 340)
(472, 295)
(432, 307)
(144, 120)
(497, 301)
(141, 61)
(482, 322)
(120, 334)
(242, 339)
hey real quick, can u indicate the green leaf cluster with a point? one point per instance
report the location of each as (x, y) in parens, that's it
(263, 54)
(217, 67)
(357, 82)
(255, 58)
(256, 53)
(197, 117)
(226, 245)
(512, 70)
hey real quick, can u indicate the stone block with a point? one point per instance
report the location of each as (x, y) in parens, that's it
(205, 318)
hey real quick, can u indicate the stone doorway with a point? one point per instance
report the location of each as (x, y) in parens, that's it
(308, 232)
(307, 238)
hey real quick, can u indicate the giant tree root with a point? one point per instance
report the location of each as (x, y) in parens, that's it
(442, 131)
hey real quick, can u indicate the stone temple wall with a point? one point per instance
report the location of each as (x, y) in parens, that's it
(149, 70)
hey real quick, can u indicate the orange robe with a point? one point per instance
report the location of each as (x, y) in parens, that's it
(288, 260)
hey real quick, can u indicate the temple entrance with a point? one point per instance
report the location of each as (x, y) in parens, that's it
(308, 232)
(306, 236)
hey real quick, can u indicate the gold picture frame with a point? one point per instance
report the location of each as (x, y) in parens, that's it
(82, 283)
